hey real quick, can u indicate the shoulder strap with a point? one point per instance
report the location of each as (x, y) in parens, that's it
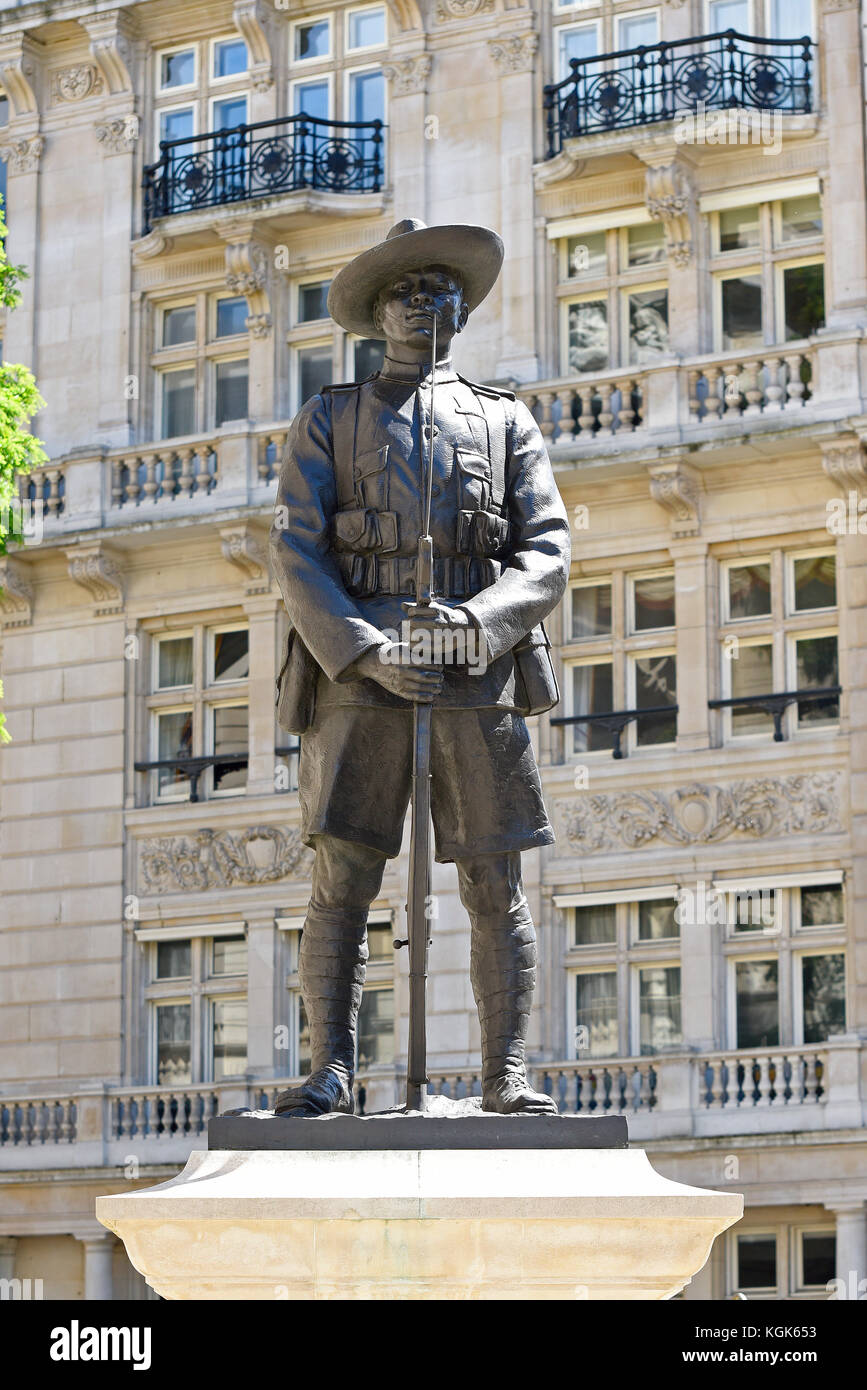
(344, 418)
(494, 410)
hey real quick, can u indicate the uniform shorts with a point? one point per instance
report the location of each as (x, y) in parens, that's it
(355, 780)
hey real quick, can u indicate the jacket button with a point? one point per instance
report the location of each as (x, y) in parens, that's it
(435, 491)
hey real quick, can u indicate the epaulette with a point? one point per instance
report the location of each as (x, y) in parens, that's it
(494, 392)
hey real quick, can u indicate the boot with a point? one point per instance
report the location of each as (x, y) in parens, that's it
(503, 975)
(331, 968)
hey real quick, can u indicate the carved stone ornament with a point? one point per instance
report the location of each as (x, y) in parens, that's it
(251, 20)
(845, 463)
(96, 572)
(670, 199)
(408, 75)
(16, 595)
(111, 47)
(514, 52)
(223, 858)
(242, 547)
(118, 136)
(701, 814)
(461, 9)
(247, 273)
(75, 83)
(677, 489)
(23, 155)
(18, 71)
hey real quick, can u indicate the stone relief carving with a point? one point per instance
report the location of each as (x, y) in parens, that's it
(670, 199)
(75, 83)
(23, 155)
(677, 488)
(16, 595)
(701, 813)
(223, 858)
(409, 74)
(845, 463)
(461, 9)
(243, 547)
(118, 136)
(96, 572)
(514, 52)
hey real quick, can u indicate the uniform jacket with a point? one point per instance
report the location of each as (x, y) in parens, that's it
(350, 511)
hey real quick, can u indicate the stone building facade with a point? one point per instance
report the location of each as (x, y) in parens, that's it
(683, 306)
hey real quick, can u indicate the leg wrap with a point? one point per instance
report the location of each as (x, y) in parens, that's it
(331, 969)
(503, 975)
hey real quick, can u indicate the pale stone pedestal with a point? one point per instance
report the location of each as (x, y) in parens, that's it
(419, 1224)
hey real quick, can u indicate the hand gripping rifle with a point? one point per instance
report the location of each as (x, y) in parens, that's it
(422, 617)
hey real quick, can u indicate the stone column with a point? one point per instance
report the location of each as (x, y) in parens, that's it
(694, 641)
(98, 1255)
(671, 199)
(262, 987)
(845, 203)
(851, 1265)
(21, 146)
(261, 610)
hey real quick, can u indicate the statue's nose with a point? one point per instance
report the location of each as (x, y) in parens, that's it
(422, 297)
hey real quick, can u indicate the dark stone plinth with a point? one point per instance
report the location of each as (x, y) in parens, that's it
(395, 1130)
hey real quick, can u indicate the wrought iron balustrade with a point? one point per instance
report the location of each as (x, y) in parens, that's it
(615, 721)
(192, 768)
(656, 82)
(256, 161)
(777, 704)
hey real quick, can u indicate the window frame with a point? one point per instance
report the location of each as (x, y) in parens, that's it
(160, 53)
(198, 990)
(364, 48)
(307, 21)
(213, 44)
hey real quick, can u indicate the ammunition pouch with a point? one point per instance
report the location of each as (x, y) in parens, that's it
(482, 533)
(363, 531)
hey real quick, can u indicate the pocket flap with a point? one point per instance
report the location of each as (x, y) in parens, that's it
(350, 525)
(372, 461)
(475, 464)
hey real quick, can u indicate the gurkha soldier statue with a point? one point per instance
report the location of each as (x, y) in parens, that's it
(454, 523)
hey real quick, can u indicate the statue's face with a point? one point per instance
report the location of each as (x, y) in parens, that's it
(403, 310)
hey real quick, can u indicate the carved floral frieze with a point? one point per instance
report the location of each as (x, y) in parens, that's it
(223, 859)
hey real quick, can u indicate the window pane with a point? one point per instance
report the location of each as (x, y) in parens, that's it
(376, 1028)
(659, 1002)
(312, 301)
(177, 125)
(637, 29)
(230, 1038)
(174, 1065)
(804, 300)
(178, 69)
(754, 909)
(592, 693)
(586, 255)
(179, 325)
(179, 403)
(231, 316)
(657, 920)
(818, 1257)
(653, 603)
(225, 116)
(229, 956)
(648, 325)
(738, 228)
(791, 19)
(588, 336)
(379, 945)
(591, 611)
(596, 1013)
(366, 96)
(368, 357)
(314, 370)
(231, 735)
(822, 907)
(815, 583)
(175, 662)
(757, 1262)
(742, 312)
(816, 659)
(312, 99)
(174, 740)
(230, 58)
(596, 925)
(232, 379)
(656, 684)
(645, 244)
(366, 29)
(801, 217)
(749, 591)
(757, 1003)
(312, 40)
(752, 674)
(232, 655)
(576, 43)
(824, 980)
(173, 960)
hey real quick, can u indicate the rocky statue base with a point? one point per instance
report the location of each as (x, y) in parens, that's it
(530, 1207)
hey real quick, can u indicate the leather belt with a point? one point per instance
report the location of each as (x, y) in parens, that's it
(454, 577)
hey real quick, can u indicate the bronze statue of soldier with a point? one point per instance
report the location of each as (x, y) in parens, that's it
(344, 546)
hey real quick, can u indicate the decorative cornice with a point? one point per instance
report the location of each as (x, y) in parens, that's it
(514, 52)
(408, 75)
(701, 813)
(16, 594)
(111, 47)
(118, 136)
(677, 488)
(96, 572)
(845, 463)
(565, 165)
(461, 9)
(23, 155)
(252, 22)
(147, 247)
(18, 53)
(75, 84)
(670, 198)
(243, 547)
(221, 859)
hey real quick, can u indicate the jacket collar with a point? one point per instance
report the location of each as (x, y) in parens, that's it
(393, 369)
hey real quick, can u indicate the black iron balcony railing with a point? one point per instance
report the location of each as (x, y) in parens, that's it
(777, 704)
(191, 769)
(255, 161)
(656, 82)
(615, 721)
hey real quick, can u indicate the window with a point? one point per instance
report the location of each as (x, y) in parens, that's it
(823, 995)
(761, 294)
(313, 301)
(198, 708)
(324, 82)
(311, 39)
(757, 1261)
(660, 1015)
(817, 1265)
(314, 370)
(778, 635)
(366, 28)
(197, 388)
(229, 59)
(626, 614)
(612, 310)
(368, 356)
(780, 1259)
(201, 88)
(758, 1004)
(196, 995)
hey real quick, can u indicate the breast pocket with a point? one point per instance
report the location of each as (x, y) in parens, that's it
(370, 472)
(474, 474)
